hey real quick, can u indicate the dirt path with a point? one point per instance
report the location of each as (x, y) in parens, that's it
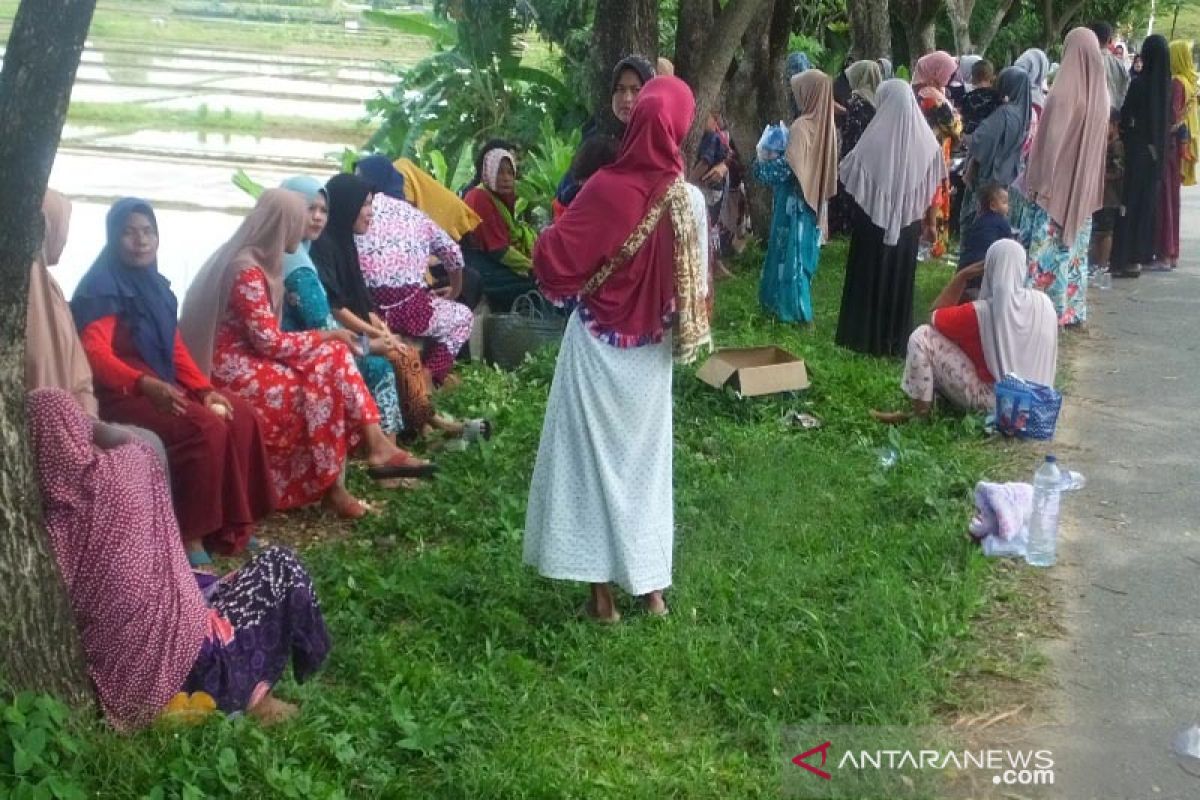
(1129, 669)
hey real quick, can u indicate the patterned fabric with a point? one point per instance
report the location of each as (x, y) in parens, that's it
(859, 114)
(977, 105)
(601, 503)
(947, 127)
(793, 249)
(306, 308)
(308, 393)
(935, 365)
(413, 311)
(1058, 269)
(260, 617)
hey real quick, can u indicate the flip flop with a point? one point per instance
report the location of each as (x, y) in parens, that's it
(402, 465)
(475, 430)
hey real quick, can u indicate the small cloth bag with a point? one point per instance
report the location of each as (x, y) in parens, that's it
(1025, 409)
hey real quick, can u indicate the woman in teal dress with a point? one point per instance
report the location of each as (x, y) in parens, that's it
(307, 305)
(803, 178)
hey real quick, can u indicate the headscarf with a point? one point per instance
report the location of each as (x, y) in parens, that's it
(965, 65)
(1017, 326)
(1183, 69)
(53, 353)
(885, 66)
(443, 206)
(1146, 114)
(275, 224)
(897, 166)
(639, 64)
(796, 63)
(381, 176)
(997, 142)
(335, 252)
(663, 66)
(309, 189)
(934, 70)
(490, 173)
(1065, 173)
(139, 611)
(140, 298)
(630, 307)
(812, 142)
(1037, 66)
(865, 77)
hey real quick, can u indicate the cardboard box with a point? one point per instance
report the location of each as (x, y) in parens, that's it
(753, 371)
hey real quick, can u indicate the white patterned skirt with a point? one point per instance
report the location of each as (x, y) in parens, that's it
(601, 506)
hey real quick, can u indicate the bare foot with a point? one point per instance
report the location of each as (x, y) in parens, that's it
(272, 711)
(448, 426)
(344, 504)
(389, 455)
(655, 605)
(600, 607)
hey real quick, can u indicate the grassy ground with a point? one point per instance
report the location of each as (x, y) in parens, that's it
(811, 585)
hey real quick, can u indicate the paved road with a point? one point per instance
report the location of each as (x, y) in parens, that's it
(1129, 667)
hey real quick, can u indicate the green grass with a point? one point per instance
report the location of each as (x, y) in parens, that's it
(811, 585)
(137, 117)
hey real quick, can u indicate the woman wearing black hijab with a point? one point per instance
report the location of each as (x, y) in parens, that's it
(1145, 120)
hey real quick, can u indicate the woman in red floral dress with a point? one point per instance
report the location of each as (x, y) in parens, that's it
(314, 406)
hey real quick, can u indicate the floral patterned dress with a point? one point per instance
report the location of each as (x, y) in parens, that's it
(947, 127)
(1059, 269)
(308, 393)
(793, 249)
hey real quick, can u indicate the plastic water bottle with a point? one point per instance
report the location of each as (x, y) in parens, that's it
(1043, 524)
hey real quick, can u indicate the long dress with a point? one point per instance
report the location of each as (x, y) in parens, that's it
(859, 114)
(877, 298)
(1057, 268)
(307, 309)
(1135, 238)
(1168, 199)
(308, 393)
(393, 256)
(794, 248)
(602, 505)
(947, 127)
(218, 466)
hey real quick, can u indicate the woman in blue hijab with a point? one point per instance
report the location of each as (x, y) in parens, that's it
(125, 313)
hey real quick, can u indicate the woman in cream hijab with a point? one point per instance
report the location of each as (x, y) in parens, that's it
(803, 180)
(966, 348)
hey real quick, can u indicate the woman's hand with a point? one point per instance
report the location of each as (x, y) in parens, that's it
(715, 175)
(219, 405)
(165, 398)
(341, 335)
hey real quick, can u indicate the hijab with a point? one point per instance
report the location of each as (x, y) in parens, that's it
(630, 308)
(261, 241)
(934, 70)
(139, 611)
(885, 65)
(796, 63)
(1065, 173)
(997, 143)
(336, 254)
(490, 173)
(1146, 114)
(139, 297)
(1183, 69)
(53, 353)
(441, 205)
(812, 143)
(865, 77)
(1037, 66)
(897, 166)
(1017, 326)
(639, 64)
(381, 176)
(965, 65)
(310, 189)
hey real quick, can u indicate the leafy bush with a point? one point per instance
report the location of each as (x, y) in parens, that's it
(542, 170)
(37, 751)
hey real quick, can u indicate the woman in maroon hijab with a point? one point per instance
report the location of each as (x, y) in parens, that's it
(626, 257)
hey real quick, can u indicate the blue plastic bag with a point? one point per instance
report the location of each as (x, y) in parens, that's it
(773, 142)
(1025, 409)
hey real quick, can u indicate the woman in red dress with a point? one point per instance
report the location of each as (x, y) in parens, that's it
(305, 386)
(125, 312)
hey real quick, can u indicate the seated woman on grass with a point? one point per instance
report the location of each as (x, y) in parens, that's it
(966, 348)
(500, 247)
(149, 626)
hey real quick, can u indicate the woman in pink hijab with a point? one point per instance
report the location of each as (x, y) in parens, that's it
(150, 627)
(932, 74)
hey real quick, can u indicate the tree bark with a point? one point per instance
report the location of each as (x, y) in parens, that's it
(993, 27)
(919, 29)
(41, 649)
(959, 12)
(619, 28)
(870, 31)
(757, 95)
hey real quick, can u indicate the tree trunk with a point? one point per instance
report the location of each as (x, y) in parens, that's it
(870, 32)
(959, 12)
(620, 28)
(41, 648)
(919, 28)
(993, 27)
(706, 76)
(757, 95)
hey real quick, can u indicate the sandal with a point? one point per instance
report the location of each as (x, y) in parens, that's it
(477, 430)
(588, 612)
(402, 465)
